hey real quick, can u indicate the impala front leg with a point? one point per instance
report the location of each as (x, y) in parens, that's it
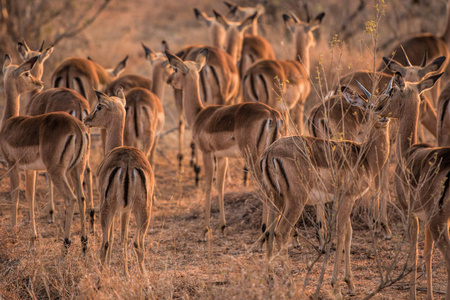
(15, 185)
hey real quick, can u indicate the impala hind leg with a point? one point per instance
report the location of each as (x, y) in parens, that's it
(440, 231)
(222, 165)
(142, 222)
(124, 235)
(77, 179)
(107, 224)
(208, 162)
(62, 184)
(30, 189)
(90, 197)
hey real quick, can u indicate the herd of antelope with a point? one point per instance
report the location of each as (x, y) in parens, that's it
(230, 96)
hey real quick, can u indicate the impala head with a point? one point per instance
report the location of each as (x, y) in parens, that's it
(107, 108)
(235, 31)
(235, 10)
(216, 31)
(19, 78)
(26, 54)
(184, 70)
(158, 60)
(303, 31)
(355, 99)
(414, 73)
(402, 96)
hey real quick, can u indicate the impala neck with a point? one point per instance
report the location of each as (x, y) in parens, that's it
(191, 100)
(302, 53)
(114, 134)
(407, 132)
(446, 35)
(378, 148)
(253, 30)
(159, 82)
(12, 105)
(234, 44)
(218, 35)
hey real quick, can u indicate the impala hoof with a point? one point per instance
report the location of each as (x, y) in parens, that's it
(223, 230)
(207, 234)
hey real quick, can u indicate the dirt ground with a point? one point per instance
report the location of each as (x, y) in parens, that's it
(178, 263)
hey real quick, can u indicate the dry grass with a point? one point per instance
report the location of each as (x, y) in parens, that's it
(180, 265)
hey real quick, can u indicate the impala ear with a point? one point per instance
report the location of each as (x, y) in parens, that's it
(353, 98)
(6, 63)
(176, 62)
(23, 50)
(394, 66)
(247, 22)
(26, 66)
(201, 58)
(147, 50)
(46, 54)
(120, 67)
(102, 98)
(434, 65)
(121, 95)
(221, 19)
(318, 19)
(289, 22)
(164, 46)
(428, 82)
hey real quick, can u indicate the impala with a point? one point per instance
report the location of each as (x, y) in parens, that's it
(38, 69)
(338, 119)
(240, 130)
(125, 180)
(297, 170)
(416, 45)
(54, 100)
(244, 12)
(58, 100)
(219, 84)
(443, 117)
(216, 31)
(245, 48)
(84, 75)
(144, 121)
(127, 82)
(54, 142)
(284, 84)
(421, 178)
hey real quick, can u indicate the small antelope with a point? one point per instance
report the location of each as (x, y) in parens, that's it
(127, 82)
(293, 87)
(337, 119)
(55, 142)
(421, 178)
(125, 179)
(144, 121)
(443, 117)
(222, 131)
(297, 170)
(84, 75)
(416, 45)
(59, 100)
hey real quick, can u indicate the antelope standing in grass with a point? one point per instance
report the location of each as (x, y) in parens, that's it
(54, 142)
(297, 170)
(219, 84)
(337, 119)
(421, 178)
(240, 130)
(417, 44)
(56, 100)
(284, 84)
(125, 180)
(443, 117)
(84, 75)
